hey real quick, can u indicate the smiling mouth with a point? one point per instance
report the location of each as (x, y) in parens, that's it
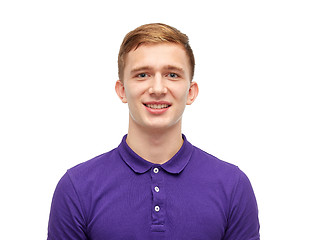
(157, 106)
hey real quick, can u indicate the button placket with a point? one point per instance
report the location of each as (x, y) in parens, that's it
(157, 208)
(158, 199)
(156, 189)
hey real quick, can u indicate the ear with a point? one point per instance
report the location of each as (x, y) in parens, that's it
(120, 90)
(192, 94)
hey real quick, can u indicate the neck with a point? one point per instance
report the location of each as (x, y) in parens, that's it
(156, 145)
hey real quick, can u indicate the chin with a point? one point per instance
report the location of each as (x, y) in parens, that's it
(161, 125)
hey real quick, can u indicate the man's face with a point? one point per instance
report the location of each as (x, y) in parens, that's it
(157, 85)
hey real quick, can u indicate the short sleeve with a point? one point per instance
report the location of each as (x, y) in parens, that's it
(66, 216)
(243, 222)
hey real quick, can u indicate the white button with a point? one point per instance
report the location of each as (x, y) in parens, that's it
(156, 170)
(157, 208)
(156, 189)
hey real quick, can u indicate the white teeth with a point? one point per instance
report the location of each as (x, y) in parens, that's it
(157, 106)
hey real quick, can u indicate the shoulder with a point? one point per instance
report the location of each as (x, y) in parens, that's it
(95, 162)
(91, 169)
(211, 169)
(228, 177)
(210, 163)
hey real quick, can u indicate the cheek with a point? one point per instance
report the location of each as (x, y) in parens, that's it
(179, 87)
(181, 94)
(134, 93)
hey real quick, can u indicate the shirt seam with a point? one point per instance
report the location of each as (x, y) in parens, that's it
(255, 238)
(82, 209)
(234, 194)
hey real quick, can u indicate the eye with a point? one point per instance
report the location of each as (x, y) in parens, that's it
(173, 75)
(142, 75)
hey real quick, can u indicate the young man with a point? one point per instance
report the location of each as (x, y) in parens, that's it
(155, 184)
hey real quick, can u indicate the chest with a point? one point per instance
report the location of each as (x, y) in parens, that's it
(157, 208)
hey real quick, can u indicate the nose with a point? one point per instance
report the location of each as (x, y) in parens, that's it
(158, 86)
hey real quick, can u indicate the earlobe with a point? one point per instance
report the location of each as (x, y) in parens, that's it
(193, 92)
(120, 90)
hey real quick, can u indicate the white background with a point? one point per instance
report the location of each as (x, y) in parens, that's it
(58, 67)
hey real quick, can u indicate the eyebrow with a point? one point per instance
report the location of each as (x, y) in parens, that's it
(174, 68)
(148, 68)
(140, 69)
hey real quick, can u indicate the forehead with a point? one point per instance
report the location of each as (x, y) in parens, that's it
(157, 56)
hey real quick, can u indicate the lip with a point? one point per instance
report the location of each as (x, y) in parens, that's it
(157, 111)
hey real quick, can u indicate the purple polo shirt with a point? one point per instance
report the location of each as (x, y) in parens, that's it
(119, 195)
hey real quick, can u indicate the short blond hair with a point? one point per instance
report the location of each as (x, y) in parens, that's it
(153, 33)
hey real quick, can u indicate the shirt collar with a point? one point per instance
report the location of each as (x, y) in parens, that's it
(139, 165)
